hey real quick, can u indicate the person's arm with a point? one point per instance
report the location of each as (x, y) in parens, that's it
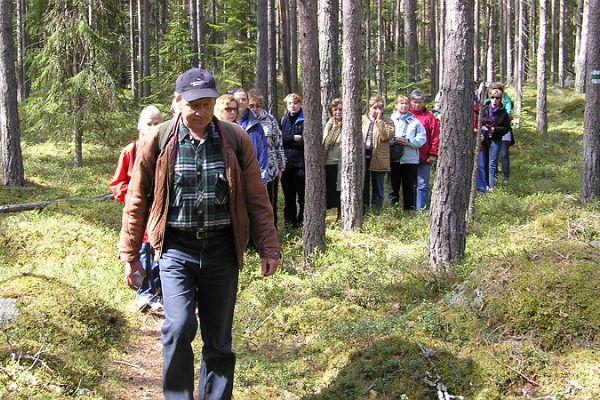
(434, 142)
(386, 128)
(260, 212)
(120, 181)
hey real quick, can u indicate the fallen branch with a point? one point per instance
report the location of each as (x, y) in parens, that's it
(43, 204)
(534, 383)
(128, 364)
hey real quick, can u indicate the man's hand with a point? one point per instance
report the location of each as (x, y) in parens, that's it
(269, 266)
(130, 269)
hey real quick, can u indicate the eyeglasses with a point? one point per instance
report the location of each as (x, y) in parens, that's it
(231, 109)
(495, 97)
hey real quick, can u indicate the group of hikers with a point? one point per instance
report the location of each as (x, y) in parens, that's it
(198, 188)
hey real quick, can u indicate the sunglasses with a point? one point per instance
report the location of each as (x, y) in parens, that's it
(231, 109)
(495, 97)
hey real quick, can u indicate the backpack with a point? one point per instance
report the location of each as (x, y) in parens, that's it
(165, 133)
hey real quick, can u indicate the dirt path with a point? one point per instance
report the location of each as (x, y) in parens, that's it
(142, 364)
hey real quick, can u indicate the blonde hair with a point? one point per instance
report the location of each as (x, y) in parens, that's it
(402, 97)
(334, 103)
(222, 103)
(295, 97)
(146, 114)
(496, 92)
(376, 100)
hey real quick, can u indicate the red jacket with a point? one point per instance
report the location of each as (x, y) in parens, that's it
(122, 176)
(432, 128)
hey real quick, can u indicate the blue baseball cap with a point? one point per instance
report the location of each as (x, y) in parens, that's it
(195, 84)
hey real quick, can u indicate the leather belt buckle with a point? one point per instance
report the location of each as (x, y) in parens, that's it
(205, 235)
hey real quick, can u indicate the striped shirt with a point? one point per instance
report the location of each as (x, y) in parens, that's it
(199, 199)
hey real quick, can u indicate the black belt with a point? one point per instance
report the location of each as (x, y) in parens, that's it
(198, 235)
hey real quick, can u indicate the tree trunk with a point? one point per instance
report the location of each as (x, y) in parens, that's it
(502, 28)
(590, 175)
(398, 42)
(367, 72)
(200, 33)
(271, 95)
(328, 51)
(146, 46)
(476, 42)
(561, 45)
(520, 66)
(490, 77)
(132, 52)
(10, 136)
(411, 47)
(23, 82)
(262, 42)
(542, 115)
(313, 233)
(583, 50)
(380, 58)
(193, 31)
(294, 45)
(531, 72)
(352, 154)
(509, 44)
(447, 226)
(78, 131)
(554, 40)
(579, 24)
(441, 41)
(285, 47)
(433, 60)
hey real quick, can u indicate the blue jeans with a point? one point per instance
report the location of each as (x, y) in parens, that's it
(376, 179)
(152, 280)
(494, 153)
(422, 186)
(200, 274)
(505, 158)
(482, 185)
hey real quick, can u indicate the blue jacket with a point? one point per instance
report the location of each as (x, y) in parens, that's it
(252, 125)
(409, 127)
(294, 149)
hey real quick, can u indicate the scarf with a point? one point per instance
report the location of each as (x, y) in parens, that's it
(332, 136)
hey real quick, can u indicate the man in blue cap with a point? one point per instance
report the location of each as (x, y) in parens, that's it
(200, 195)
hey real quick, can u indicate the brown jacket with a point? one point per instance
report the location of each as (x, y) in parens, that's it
(249, 204)
(383, 131)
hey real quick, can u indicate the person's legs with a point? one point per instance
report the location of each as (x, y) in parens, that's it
(289, 195)
(378, 179)
(299, 184)
(394, 182)
(481, 181)
(409, 180)
(144, 294)
(494, 153)
(422, 186)
(217, 292)
(505, 158)
(272, 189)
(367, 186)
(178, 274)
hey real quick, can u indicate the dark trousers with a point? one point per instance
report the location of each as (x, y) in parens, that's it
(505, 158)
(405, 176)
(292, 184)
(372, 188)
(272, 190)
(202, 274)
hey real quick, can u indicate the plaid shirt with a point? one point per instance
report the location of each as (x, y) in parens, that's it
(200, 193)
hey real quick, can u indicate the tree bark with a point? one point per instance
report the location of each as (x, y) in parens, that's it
(542, 115)
(490, 76)
(10, 137)
(352, 155)
(132, 52)
(328, 51)
(193, 31)
(509, 44)
(285, 47)
(146, 46)
(200, 32)
(411, 47)
(590, 176)
(23, 82)
(476, 41)
(271, 94)
(367, 64)
(294, 44)
(561, 45)
(262, 41)
(520, 65)
(380, 58)
(554, 40)
(433, 60)
(580, 77)
(313, 234)
(447, 227)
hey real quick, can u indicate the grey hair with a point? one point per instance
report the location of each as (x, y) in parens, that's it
(417, 94)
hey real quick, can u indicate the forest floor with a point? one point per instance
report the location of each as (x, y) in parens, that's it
(142, 364)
